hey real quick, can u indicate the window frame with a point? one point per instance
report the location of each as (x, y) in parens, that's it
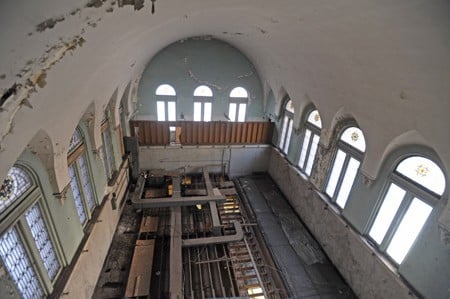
(350, 152)
(74, 160)
(107, 149)
(14, 218)
(314, 131)
(287, 127)
(413, 190)
(238, 101)
(202, 101)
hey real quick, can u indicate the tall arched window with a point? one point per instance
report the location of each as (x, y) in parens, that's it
(310, 142)
(202, 103)
(237, 107)
(27, 249)
(166, 103)
(413, 188)
(350, 151)
(107, 148)
(286, 129)
(80, 179)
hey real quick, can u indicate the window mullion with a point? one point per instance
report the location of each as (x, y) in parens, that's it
(341, 177)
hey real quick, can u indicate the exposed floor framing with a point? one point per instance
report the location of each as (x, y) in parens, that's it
(236, 244)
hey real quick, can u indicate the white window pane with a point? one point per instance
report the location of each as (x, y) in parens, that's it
(312, 154)
(197, 111)
(238, 92)
(161, 110)
(301, 161)
(354, 137)
(283, 131)
(172, 111)
(288, 137)
(242, 109)
(165, 90)
(347, 182)
(386, 214)
(207, 111)
(335, 173)
(203, 91)
(314, 118)
(409, 229)
(424, 172)
(232, 111)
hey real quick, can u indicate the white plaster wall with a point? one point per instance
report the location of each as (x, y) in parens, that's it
(367, 275)
(83, 279)
(239, 160)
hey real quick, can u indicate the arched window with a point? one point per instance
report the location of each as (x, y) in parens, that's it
(32, 264)
(414, 187)
(80, 178)
(166, 103)
(286, 129)
(17, 183)
(350, 151)
(310, 142)
(202, 103)
(237, 107)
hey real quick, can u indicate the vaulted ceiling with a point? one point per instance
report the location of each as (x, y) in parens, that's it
(385, 63)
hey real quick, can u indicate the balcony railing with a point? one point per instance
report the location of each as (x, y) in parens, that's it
(201, 133)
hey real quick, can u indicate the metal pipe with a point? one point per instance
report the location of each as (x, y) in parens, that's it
(217, 240)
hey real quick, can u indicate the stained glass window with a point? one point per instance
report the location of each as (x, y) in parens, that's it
(42, 240)
(75, 141)
(19, 266)
(17, 182)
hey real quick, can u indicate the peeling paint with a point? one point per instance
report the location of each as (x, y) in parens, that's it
(109, 9)
(49, 23)
(94, 3)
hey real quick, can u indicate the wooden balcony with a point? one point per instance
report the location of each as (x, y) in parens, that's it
(201, 133)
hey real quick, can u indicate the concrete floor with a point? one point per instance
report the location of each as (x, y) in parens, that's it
(305, 268)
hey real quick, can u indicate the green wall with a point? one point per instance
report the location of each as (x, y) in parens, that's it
(193, 62)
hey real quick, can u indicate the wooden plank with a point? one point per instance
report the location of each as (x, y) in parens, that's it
(254, 132)
(222, 132)
(216, 133)
(166, 134)
(233, 133)
(153, 134)
(195, 133)
(141, 269)
(149, 224)
(243, 138)
(249, 133)
(146, 133)
(228, 131)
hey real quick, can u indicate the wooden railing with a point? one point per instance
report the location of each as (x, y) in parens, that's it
(201, 133)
